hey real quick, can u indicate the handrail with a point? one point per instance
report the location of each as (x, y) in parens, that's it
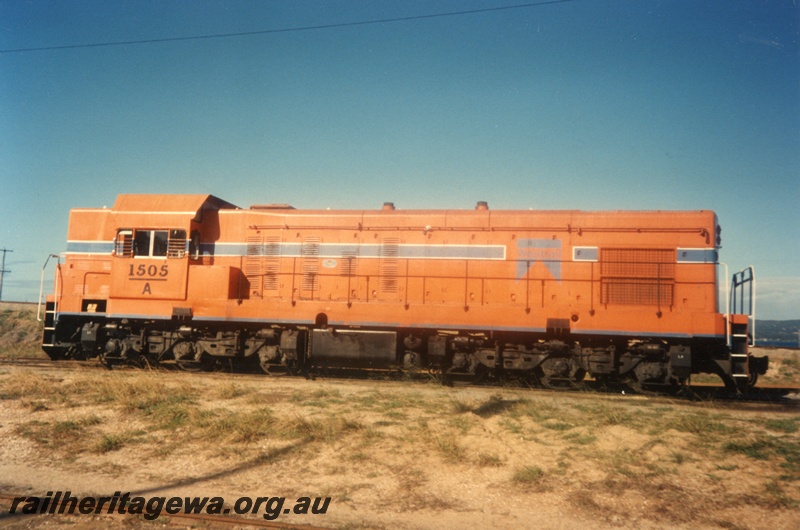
(727, 305)
(703, 232)
(739, 280)
(41, 284)
(405, 272)
(753, 302)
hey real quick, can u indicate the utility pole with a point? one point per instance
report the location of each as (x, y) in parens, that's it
(3, 270)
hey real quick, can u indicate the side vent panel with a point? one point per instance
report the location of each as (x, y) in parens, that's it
(253, 265)
(309, 254)
(390, 250)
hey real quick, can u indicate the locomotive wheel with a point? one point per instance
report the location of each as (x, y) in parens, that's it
(273, 362)
(142, 361)
(481, 374)
(105, 361)
(560, 373)
(750, 382)
(275, 369)
(740, 385)
(651, 378)
(204, 364)
(673, 386)
(562, 383)
(189, 366)
(111, 361)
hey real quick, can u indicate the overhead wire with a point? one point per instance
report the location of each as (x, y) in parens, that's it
(287, 30)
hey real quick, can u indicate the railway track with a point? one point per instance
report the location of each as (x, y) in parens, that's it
(694, 392)
(47, 364)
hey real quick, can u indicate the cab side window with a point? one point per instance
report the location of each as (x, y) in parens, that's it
(176, 246)
(160, 243)
(151, 243)
(141, 243)
(123, 246)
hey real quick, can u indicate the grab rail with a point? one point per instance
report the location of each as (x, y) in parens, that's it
(41, 284)
(743, 287)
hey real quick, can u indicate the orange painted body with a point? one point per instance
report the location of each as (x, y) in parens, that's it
(615, 274)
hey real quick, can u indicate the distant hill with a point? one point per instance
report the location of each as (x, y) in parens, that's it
(778, 333)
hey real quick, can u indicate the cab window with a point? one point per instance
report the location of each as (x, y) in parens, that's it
(151, 243)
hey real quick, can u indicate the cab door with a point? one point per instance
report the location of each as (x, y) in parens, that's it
(150, 263)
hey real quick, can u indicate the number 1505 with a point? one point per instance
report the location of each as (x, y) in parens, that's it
(148, 270)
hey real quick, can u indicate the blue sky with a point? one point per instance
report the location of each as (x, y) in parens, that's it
(588, 104)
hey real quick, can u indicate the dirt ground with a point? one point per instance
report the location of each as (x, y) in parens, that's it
(398, 454)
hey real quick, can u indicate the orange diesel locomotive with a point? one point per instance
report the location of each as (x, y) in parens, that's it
(546, 295)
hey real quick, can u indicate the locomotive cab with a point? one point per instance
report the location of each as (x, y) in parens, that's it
(127, 262)
(157, 240)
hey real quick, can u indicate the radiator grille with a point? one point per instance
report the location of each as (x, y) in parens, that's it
(636, 292)
(637, 263)
(637, 276)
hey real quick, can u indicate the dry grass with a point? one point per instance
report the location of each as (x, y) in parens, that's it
(784, 366)
(20, 333)
(457, 457)
(668, 462)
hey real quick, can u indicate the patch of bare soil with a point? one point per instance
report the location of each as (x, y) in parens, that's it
(394, 454)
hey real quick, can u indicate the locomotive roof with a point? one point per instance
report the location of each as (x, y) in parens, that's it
(193, 203)
(169, 203)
